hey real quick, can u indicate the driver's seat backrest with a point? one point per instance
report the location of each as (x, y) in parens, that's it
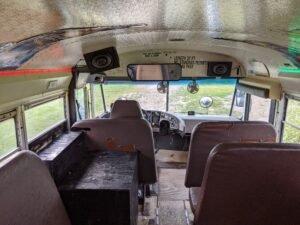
(125, 130)
(28, 195)
(207, 135)
(250, 184)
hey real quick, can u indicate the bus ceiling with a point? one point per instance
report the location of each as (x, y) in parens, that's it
(263, 36)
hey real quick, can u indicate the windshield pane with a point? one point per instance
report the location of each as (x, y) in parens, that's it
(220, 90)
(144, 92)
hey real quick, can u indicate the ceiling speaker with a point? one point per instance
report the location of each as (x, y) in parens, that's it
(102, 60)
(219, 69)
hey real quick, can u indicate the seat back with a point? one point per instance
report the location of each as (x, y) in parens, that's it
(251, 184)
(207, 135)
(28, 195)
(125, 130)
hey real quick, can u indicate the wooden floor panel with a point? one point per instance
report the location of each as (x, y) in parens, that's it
(171, 156)
(172, 201)
(172, 213)
(171, 185)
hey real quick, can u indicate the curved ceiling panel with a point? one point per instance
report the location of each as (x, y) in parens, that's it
(24, 18)
(264, 21)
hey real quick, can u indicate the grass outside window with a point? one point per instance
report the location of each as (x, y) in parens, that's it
(8, 138)
(42, 117)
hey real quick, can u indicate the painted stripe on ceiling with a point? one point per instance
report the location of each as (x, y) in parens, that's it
(34, 72)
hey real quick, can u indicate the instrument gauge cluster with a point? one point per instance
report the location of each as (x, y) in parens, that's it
(155, 118)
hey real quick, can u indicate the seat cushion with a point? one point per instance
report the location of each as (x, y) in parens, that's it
(28, 195)
(126, 109)
(207, 135)
(251, 184)
(194, 195)
(125, 130)
(123, 134)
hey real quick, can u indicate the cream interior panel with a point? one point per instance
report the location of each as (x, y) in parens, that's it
(19, 90)
(194, 63)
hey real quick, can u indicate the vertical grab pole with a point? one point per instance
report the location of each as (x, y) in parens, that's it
(103, 98)
(232, 103)
(167, 96)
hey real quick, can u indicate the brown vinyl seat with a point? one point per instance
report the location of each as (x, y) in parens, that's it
(250, 184)
(125, 130)
(28, 195)
(206, 135)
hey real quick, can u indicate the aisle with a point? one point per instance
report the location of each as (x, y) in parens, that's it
(171, 206)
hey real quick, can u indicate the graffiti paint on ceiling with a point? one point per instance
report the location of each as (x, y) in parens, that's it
(14, 54)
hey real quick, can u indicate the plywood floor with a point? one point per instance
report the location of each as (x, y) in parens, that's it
(171, 159)
(170, 206)
(171, 185)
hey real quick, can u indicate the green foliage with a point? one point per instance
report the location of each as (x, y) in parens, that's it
(44, 116)
(183, 101)
(292, 134)
(8, 140)
(37, 119)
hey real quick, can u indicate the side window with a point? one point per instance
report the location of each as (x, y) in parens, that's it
(291, 124)
(239, 103)
(97, 100)
(8, 137)
(80, 106)
(259, 109)
(42, 117)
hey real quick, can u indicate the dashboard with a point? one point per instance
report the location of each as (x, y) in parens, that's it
(155, 118)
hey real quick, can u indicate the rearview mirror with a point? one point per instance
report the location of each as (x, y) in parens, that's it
(154, 72)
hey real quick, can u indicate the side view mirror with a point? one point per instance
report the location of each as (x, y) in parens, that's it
(239, 98)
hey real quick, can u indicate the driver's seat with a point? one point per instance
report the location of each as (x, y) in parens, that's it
(125, 130)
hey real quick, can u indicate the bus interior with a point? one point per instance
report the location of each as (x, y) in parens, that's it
(150, 112)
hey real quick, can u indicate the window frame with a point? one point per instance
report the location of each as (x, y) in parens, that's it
(48, 131)
(283, 121)
(247, 108)
(92, 99)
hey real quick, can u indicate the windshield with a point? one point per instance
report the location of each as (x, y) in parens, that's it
(144, 92)
(181, 100)
(219, 90)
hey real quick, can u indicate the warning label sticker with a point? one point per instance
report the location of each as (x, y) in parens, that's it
(188, 62)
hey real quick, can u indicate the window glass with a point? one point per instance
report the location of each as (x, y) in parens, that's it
(239, 105)
(291, 133)
(219, 90)
(259, 109)
(8, 139)
(144, 92)
(98, 104)
(80, 108)
(41, 117)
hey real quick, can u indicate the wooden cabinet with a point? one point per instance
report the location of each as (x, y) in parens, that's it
(102, 190)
